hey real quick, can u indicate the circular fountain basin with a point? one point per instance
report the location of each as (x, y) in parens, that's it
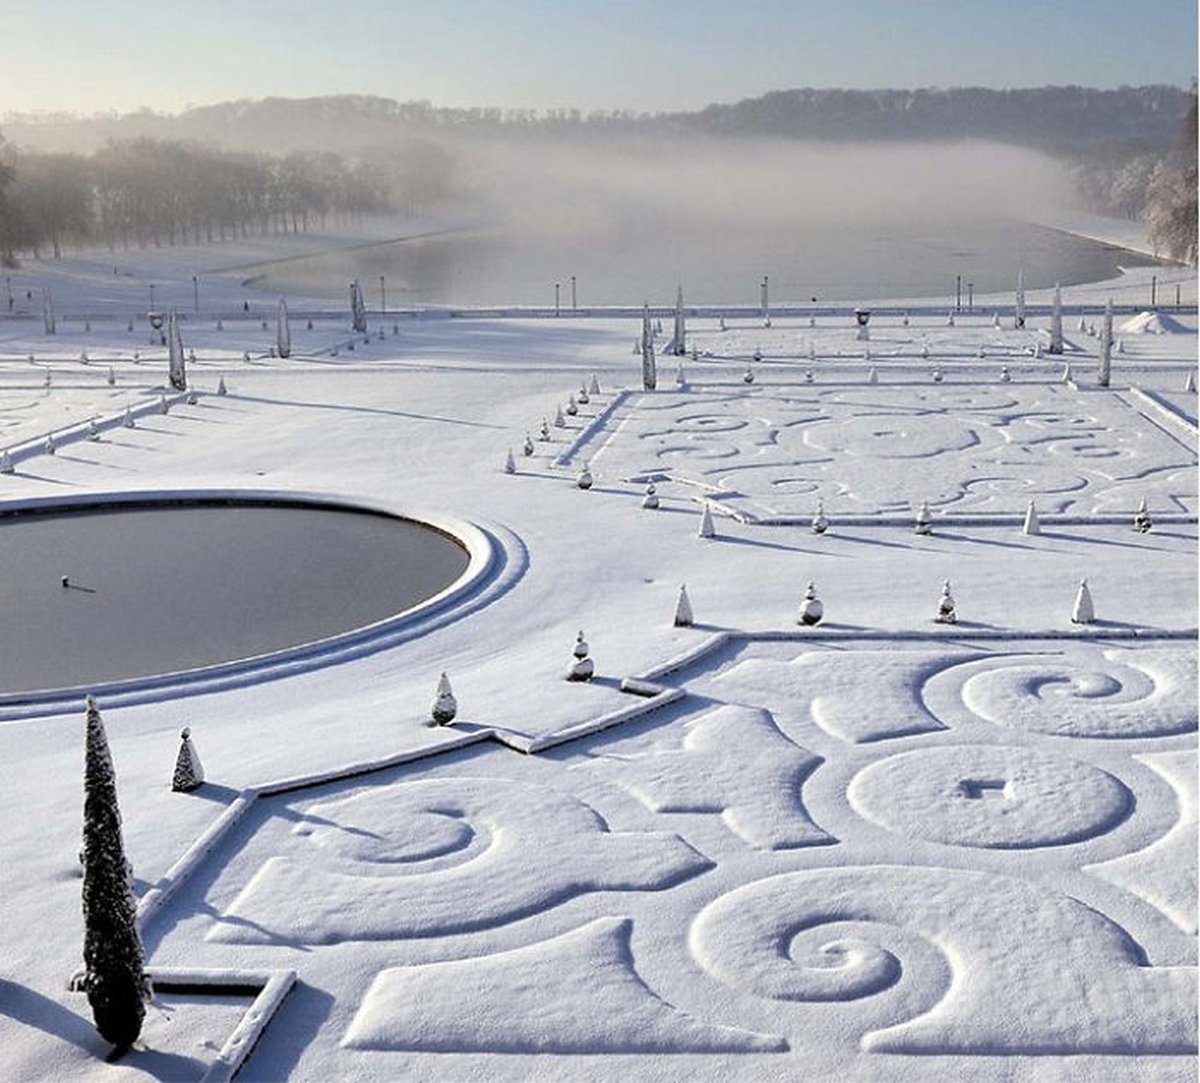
(110, 592)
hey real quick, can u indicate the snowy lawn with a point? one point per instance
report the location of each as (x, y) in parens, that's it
(876, 848)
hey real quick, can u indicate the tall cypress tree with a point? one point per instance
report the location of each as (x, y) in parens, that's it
(115, 980)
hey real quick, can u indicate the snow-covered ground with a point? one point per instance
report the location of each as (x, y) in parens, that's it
(877, 848)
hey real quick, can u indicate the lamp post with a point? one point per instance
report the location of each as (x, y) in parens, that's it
(8, 286)
(573, 292)
(970, 296)
(958, 293)
(556, 289)
(765, 295)
(196, 292)
(151, 296)
(382, 293)
(1153, 291)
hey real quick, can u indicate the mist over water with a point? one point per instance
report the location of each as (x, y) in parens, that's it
(837, 222)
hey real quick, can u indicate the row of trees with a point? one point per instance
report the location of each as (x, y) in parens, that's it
(149, 191)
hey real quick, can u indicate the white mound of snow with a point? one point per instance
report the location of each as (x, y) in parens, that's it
(1151, 323)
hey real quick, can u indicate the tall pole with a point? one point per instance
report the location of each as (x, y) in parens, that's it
(8, 284)
(382, 293)
(572, 293)
(557, 287)
(151, 296)
(1154, 291)
(196, 292)
(970, 296)
(765, 295)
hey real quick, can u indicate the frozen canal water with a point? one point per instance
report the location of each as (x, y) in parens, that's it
(157, 589)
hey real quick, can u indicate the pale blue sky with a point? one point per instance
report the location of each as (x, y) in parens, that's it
(97, 55)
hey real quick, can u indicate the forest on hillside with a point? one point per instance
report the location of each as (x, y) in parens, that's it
(225, 170)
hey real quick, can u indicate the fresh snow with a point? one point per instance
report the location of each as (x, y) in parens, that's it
(878, 847)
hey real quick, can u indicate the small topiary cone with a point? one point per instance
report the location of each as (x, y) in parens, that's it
(873, 376)
(1189, 384)
(128, 422)
(937, 374)
(945, 609)
(192, 397)
(707, 527)
(983, 351)
(112, 377)
(680, 378)
(572, 406)
(950, 319)
(510, 464)
(1142, 521)
(924, 351)
(583, 397)
(996, 320)
(1031, 525)
(164, 407)
(93, 430)
(583, 668)
(811, 609)
(560, 422)
(527, 447)
(445, 706)
(189, 772)
(544, 430)
(748, 375)
(923, 522)
(6, 463)
(650, 500)
(584, 480)
(684, 617)
(819, 523)
(221, 388)
(594, 389)
(1084, 611)
(1067, 376)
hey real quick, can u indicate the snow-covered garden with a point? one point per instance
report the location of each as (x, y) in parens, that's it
(941, 825)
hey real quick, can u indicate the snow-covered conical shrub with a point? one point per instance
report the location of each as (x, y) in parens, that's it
(527, 447)
(1005, 375)
(937, 374)
(1142, 521)
(572, 405)
(114, 968)
(583, 398)
(680, 377)
(246, 353)
(1120, 347)
(1189, 384)
(748, 375)
(594, 387)
(904, 319)
(982, 352)
(93, 430)
(757, 355)
(1067, 376)
(544, 430)
(721, 324)
(873, 375)
(560, 422)
(650, 499)
(812, 321)
(1032, 525)
(684, 618)
(112, 377)
(6, 463)
(128, 421)
(164, 407)
(811, 609)
(923, 521)
(221, 388)
(708, 528)
(83, 357)
(51, 445)
(924, 351)
(808, 376)
(220, 325)
(945, 608)
(1083, 612)
(445, 706)
(46, 378)
(1037, 349)
(584, 478)
(819, 523)
(510, 464)
(189, 772)
(996, 320)
(582, 668)
(950, 319)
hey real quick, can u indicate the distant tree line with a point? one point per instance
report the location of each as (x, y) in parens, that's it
(152, 192)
